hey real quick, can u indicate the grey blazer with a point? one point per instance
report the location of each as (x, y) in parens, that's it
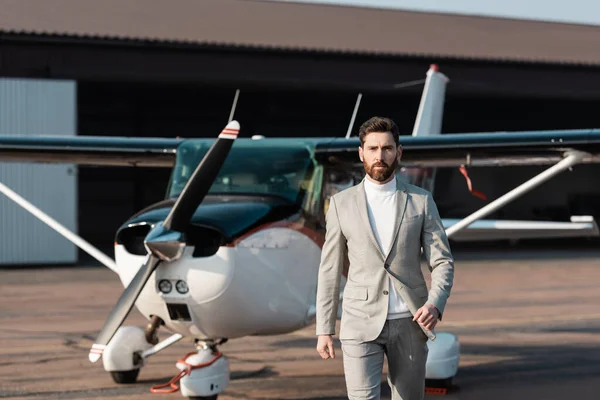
(365, 298)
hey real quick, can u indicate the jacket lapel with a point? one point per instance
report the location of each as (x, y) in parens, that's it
(401, 202)
(363, 211)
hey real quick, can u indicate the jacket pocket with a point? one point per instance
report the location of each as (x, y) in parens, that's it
(355, 292)
(421, 291)
(411, 218)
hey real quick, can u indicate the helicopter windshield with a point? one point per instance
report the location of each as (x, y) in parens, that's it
(273, 167)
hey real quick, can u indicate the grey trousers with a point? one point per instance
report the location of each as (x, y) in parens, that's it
(405, 345)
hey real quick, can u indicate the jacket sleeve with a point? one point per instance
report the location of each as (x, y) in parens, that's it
(330, 270)
(437, 254)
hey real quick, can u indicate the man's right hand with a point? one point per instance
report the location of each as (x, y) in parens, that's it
(325, 347)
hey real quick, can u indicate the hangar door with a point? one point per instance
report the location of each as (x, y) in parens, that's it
(37, 107)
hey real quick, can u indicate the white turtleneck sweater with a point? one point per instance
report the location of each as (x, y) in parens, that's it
(381, 205)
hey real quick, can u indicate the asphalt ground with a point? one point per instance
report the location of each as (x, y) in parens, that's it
(528, 323)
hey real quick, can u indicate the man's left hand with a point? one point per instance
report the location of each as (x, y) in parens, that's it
(427, 316)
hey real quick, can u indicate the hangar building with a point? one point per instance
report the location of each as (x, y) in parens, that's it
(163, 69)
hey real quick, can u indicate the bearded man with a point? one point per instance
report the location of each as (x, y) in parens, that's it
(380, 226)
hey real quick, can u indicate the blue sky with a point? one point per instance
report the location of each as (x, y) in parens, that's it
(572, 11)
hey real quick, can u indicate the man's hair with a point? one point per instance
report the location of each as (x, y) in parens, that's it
(379, 124)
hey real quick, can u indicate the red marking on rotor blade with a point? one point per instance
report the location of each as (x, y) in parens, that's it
(474, 192)
(229, 134)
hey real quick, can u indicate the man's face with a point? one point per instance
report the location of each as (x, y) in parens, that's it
(380, 156)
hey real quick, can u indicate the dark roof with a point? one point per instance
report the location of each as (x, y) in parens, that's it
(307, 27)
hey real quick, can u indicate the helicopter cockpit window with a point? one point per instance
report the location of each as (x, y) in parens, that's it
(421, 177)
(337, 180)
(284, 170)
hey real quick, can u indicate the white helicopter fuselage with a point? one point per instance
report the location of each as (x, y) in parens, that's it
(262, 284)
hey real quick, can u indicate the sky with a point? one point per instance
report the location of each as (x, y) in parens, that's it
(571, 11)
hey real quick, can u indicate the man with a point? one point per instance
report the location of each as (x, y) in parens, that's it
(380, 225)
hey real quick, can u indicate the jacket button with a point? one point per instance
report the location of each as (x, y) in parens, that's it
(386, 292)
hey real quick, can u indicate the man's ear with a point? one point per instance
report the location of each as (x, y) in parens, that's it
(399, 155)
(360, 153)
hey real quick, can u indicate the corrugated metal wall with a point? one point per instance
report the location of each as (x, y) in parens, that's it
(37, 107)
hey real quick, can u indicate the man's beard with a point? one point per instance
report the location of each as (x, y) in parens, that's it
(380, 174)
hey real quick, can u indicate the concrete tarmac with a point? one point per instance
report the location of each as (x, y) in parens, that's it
(528, 324)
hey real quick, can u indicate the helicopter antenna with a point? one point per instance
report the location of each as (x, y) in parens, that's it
(354, 115)
(235, 100)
